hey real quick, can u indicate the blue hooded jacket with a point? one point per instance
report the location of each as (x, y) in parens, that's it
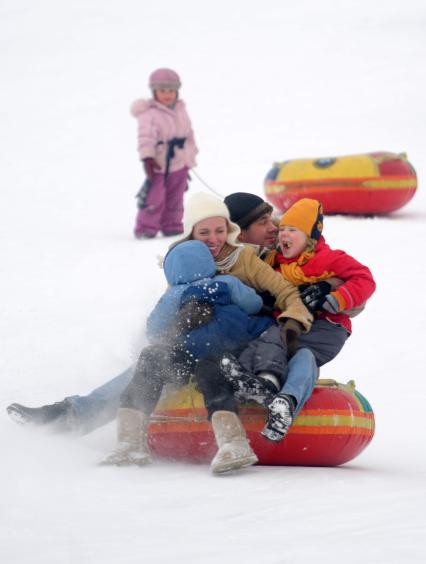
(190, 271)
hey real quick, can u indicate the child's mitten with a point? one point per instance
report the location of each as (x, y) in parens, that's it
(193, 315)
(314, 295)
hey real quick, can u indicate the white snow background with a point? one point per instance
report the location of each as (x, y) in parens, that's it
(264, 81)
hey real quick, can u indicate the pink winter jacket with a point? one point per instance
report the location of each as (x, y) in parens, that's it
(157, 124)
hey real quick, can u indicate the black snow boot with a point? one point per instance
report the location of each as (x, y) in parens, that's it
(59, 415)
(246, 386)
(280, 417)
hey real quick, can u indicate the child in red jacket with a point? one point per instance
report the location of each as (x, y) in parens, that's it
(267, 371)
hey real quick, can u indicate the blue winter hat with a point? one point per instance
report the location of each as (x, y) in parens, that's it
(187, 262)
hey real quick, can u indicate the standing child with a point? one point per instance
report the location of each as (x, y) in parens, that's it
(267, 371)
(167, 150)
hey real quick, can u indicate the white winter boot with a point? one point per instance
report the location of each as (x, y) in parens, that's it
(234, 449)
(132, 435)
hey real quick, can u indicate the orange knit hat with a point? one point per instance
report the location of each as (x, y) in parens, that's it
(306, 215)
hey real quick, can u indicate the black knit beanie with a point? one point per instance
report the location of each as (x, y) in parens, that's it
(245, 208)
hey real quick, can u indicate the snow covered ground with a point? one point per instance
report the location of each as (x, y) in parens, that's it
(263, 82)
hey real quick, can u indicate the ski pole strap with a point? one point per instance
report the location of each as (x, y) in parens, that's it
(171, 146)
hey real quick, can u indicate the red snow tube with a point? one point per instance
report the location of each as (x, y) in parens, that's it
(334, 426)
(371, 183)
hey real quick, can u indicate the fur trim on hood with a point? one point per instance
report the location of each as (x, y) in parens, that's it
(140, 106)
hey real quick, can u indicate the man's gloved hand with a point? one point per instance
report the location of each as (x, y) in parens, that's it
(314, 295)
(290, 333)
(193, 315)
(150, 167)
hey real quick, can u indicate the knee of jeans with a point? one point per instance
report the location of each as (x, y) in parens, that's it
(307, 353)
(305, 360)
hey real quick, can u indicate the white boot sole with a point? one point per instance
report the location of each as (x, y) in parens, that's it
(236, 464)
(126, 461)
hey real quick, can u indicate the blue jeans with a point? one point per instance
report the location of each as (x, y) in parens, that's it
(100, 406)
(301, 377)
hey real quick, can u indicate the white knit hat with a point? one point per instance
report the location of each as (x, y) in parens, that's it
(202, 206)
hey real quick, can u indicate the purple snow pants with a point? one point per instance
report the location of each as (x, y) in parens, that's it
(163, 209)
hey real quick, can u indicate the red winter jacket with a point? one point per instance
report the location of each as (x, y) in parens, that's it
(358, 283)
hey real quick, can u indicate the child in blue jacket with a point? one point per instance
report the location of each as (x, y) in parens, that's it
(191, 274)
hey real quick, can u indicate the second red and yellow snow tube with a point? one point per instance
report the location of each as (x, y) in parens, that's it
(334, 426)
(365, 184)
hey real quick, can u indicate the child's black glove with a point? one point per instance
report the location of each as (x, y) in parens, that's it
(314, 295)
(290, 333)
(193, 315)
